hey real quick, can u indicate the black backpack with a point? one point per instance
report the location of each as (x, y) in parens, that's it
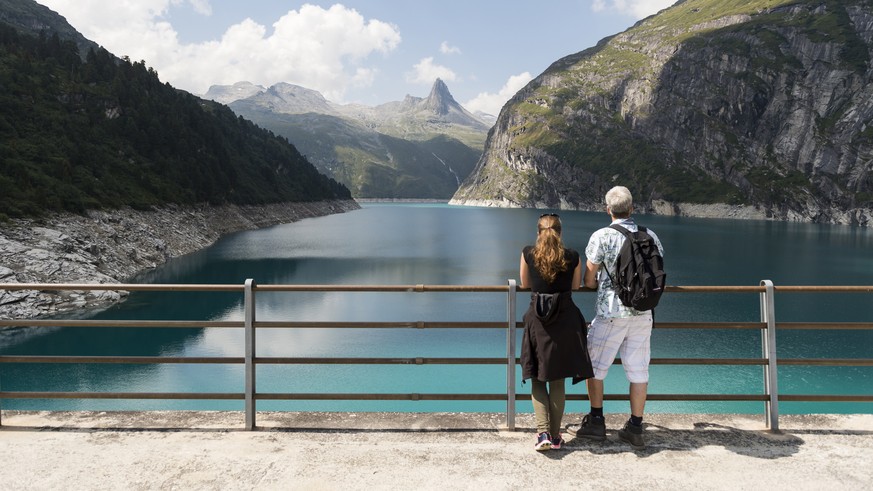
(639, 270)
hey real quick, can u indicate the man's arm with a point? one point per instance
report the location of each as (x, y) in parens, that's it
(523, 273)
(591, 274)
(577, 275)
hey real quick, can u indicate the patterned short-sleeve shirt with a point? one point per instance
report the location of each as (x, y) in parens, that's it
(603, 248)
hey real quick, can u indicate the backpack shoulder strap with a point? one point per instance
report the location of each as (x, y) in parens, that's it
(624, 231)
(628, 236)
(627, 233)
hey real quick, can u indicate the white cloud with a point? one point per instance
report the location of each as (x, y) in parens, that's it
(363, 77)
(322, 49)
(202, 7)
(636, 8)
(492, 103)
(446, 49)
(425, 72)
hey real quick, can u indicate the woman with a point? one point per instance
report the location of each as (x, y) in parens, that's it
(553, 347)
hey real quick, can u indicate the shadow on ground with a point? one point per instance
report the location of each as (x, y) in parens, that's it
(763, 444)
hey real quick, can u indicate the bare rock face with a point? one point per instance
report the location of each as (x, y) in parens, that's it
(113, 246)
(226, 94)
(765, 106)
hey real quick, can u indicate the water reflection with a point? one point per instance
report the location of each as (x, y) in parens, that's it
(438, 244)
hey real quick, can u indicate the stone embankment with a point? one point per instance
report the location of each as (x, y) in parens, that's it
(113, 246)
(862, 217)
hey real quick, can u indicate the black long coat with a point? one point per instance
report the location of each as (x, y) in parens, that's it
(554, 345)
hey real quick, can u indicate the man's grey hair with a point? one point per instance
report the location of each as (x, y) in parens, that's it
(619, 201)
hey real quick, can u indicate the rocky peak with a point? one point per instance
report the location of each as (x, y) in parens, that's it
(440, 100)
(285, 98)
(296, 94)
(226, 94)
(441, 106)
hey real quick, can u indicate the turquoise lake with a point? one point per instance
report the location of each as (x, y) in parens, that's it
(438, 244)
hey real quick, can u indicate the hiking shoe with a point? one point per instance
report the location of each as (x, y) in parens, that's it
(557, 442)
(544, 442)
(591, 428)
(632, 434)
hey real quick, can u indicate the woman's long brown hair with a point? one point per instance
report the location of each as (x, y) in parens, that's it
(548, 253)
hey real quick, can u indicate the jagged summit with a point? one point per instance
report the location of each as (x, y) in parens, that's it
(440, 100)
(440, 106)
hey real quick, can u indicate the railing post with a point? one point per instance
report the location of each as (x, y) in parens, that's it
(250, 353)
(510, 356)
(768, 348)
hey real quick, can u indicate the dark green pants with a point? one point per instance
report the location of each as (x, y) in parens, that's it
(548, 403)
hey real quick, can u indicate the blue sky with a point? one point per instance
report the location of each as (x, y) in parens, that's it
(362, 51)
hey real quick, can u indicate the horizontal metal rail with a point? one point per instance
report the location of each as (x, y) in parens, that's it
(122, 395)
(380, 361)
(414, 396)
(250, 360)
(365, 325)
(135, 360)
(383, 288)
(334, 396)
(140, 360)
(405, 325)
(383, 325)
(678, 397)
(48, 287)
(118, 323)
(170, 287)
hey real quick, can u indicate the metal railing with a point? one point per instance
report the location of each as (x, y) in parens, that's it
(767, 326)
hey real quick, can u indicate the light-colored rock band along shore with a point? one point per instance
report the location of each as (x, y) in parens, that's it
(114, 246)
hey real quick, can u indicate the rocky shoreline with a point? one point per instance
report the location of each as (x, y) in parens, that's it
(862, 217)
(401, 200)
(113, 246)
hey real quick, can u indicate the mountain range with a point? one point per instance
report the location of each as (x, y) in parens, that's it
(761, 105)
(414, 148)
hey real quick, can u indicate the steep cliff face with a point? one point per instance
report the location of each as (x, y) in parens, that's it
(764, 105)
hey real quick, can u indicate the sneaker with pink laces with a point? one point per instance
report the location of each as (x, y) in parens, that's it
(557, 442)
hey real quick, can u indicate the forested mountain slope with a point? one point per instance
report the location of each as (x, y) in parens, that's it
(98, 132)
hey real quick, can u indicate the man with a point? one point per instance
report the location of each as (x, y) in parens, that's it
(615, 328)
